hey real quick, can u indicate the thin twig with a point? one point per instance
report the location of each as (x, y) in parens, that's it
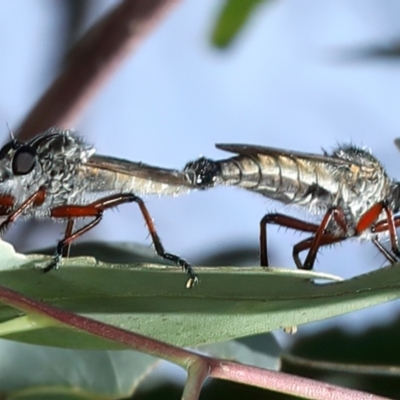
(92, 61)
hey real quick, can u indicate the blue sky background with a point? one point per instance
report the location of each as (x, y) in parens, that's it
(288, 81)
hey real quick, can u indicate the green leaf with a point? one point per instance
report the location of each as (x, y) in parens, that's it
(233, 16)
(229, 302)
(97, 374)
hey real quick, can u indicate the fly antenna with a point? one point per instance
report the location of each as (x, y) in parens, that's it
(11, 133)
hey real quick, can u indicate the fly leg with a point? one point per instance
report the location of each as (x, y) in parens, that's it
(281, 220)
(35, 199)
(63, 246)
(312, 243)
(95, 210)
(321, 238)
(68, 232)
(6, 205)
(325, 239)
(388, 255)
(388, 225)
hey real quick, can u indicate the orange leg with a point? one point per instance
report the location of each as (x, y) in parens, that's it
(320, 238)
(35, 199)
(95, 210)
(389, 256)
(368, 221)
(6, 205)
(281, 220)
(325, 240)
(390, 225)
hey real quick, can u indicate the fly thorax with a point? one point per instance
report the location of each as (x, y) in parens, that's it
(57, 174)
(59, 160)
(364, 181)
(368, 193)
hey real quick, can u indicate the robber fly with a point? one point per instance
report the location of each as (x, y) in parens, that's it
(57, 175)
(349, 188)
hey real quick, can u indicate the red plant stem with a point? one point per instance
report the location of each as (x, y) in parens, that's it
(285, 383)
(132, 340)
(92, 61)
(198, 366)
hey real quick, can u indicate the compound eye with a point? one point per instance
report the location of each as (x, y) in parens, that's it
(24, 160)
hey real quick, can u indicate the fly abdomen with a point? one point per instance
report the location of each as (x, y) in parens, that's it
(280, 177)
(276, 177)
(290, 179)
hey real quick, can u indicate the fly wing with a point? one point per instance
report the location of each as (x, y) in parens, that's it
(139, 169)
(114, 174)
(253, 150)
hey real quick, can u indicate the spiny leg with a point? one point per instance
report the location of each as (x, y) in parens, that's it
(366, 221)
(193, 279)
(284, 221)
(306, 244)
(320, 236)
(297, 224)
(388, 225)
(388, 255)
(96, 209)
(6, 205)
(35, 199)
(66, 242)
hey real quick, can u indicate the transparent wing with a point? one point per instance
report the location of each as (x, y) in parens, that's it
(253, 150)
(139, 170)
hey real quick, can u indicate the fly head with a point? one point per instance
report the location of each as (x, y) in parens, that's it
(16, 159)
(48, 160)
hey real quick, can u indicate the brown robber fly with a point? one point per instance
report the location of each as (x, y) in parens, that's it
(57, 175)
(348, 188)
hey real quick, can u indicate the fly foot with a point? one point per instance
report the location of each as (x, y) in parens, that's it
(54, 263)
(193, 278)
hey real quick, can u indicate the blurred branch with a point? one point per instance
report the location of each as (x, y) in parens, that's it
(345, 367)
(373, 52)
(92, 61)
(76, 13)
